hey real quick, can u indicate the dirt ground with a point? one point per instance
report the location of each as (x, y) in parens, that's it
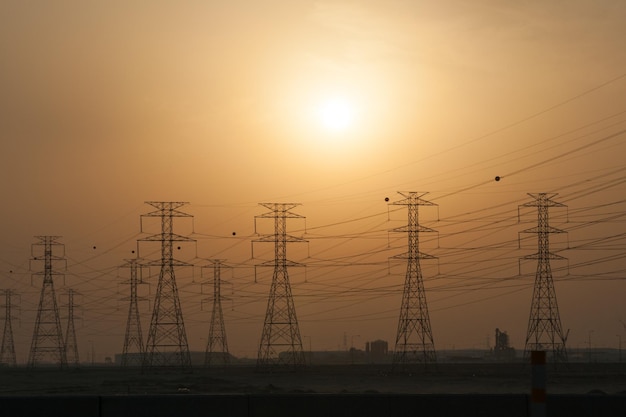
(444, 379)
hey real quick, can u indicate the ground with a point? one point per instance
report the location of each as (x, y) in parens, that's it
(442, 379)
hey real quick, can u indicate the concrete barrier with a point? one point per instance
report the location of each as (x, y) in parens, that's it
(50, 406)
(306, 405)
(387, 405)
(591, 405)
(226, 405)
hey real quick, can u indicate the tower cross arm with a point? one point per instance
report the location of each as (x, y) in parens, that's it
(280, 214)
(274, 238)
(543, 229)
(51, 239)
(280, 206)
(173, 237)
(287, 263)
(413, 228)
(549, 255)
(411, 198)
(543, 200)
(50, 272)
(169, 206)
(408, 255)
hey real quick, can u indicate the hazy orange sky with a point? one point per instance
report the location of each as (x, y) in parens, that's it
(106, 105)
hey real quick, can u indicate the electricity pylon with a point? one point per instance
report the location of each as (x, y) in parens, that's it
(71, 347)
(544, 323)
(7, 351)
(281, 343)
(47, 336)
(217, 346)
(167, 341)
(414, 338)
(133, 351)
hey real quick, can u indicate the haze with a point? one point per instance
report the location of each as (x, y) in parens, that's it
(106, 105)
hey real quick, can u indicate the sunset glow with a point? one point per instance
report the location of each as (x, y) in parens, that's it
(335, 106)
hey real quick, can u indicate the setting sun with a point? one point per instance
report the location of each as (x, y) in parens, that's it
(336, 114)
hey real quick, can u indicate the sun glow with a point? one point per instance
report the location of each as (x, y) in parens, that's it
(336, 114)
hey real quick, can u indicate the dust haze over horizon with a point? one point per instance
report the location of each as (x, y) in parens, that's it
(107, 105)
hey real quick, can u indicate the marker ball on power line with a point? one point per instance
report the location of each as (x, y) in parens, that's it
(386, 198)
(497, 178)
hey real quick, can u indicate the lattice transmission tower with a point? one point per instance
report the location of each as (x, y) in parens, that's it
(544, 323)
(47, 336)
(71, 346)
(217, 345)
(414, 338)
(7, 351)
(133, 350)
(281, 343)
(167, 345)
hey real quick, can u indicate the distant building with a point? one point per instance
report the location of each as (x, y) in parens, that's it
(377, 351)
(502, 350)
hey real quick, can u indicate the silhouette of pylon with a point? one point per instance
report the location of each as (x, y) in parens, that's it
(217, 345)
(47, 336)
(544, 322)
(414, 337)
(167, 340)
(281, 344)
(7, 351)
(133, 350)
(71, 347)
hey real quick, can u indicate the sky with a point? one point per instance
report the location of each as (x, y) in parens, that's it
(107, 105)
